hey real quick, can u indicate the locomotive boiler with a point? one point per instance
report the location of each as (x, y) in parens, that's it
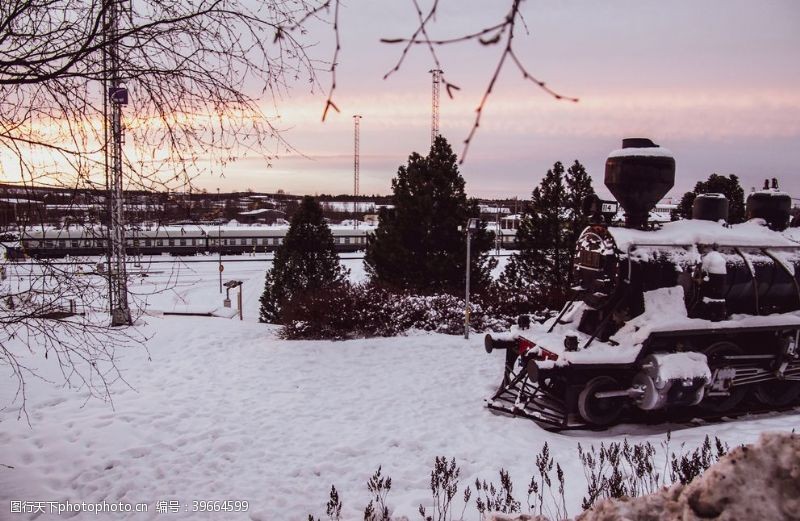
(696, 316)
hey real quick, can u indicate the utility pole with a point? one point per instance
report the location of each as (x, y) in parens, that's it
(356, 164)
(437, 78)
(116, 95)
(472, 225)
(221, 268)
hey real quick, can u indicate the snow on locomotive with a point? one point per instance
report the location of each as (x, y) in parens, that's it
(696, 316)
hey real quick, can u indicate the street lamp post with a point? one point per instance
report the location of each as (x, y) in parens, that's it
(472, 224)
(219, 246)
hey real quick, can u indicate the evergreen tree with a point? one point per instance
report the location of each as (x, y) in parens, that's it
(717, 184)
(540, 237)
(548, 231)
(418, 245)
(579, 187)
(305, 263)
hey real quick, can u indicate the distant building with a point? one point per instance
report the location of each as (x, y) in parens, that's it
(510, 222)
(264, 215)
(485, 209)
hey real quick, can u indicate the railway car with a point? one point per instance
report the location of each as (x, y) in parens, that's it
(173, 240)
(695, 317)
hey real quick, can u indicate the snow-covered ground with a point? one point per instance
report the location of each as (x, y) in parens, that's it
(166, 284)
(223, 409)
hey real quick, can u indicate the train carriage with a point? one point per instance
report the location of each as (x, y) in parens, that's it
(174, 240)
(49, 243)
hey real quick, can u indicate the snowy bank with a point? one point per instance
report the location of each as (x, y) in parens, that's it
(760, 481)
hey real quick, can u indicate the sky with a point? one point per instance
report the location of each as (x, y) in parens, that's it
(717, 82)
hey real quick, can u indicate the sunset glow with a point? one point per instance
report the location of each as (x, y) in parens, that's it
(718, 84)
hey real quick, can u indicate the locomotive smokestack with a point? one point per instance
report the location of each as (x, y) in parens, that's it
(639, 175)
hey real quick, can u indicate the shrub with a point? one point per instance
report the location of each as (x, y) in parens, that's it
(365, 310)
(615, 470)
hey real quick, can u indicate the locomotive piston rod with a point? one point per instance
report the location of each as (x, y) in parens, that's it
(633, 392)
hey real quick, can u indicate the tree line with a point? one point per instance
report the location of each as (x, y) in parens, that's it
(416, 259)
(418, 253)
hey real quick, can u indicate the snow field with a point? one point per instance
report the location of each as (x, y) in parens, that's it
(223, 409)
(184, 284)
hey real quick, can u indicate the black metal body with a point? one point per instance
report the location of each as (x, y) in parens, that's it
(756, 281)
(550, 399)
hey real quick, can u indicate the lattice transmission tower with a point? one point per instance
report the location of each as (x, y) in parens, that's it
(356, 154)
(356, 165)
(116, 95)
(437, 78)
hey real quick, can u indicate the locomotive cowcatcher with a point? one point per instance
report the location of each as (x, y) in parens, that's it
(694, 317)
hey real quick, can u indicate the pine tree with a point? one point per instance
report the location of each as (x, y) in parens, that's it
(547, 234)
(717, 184)
(579, 187)
(538, 262)
(305, 263)
(418, 245)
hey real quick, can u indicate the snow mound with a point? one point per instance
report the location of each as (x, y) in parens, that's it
(693, 231)
(660, 306)
(676, 366)
(714, 263)
(760, 481)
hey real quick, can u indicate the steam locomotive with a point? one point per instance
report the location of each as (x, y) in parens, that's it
(697, 316)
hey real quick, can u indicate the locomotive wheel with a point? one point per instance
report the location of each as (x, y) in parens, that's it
(714, 354)
(777, 393)
(600, 411)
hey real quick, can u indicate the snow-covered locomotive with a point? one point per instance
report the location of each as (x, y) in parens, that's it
(696, 316)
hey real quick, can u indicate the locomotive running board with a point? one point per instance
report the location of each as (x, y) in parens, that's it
(521, 397)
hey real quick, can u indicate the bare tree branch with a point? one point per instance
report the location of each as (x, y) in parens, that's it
(491, 35)
(197, 72)
(329, 104)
